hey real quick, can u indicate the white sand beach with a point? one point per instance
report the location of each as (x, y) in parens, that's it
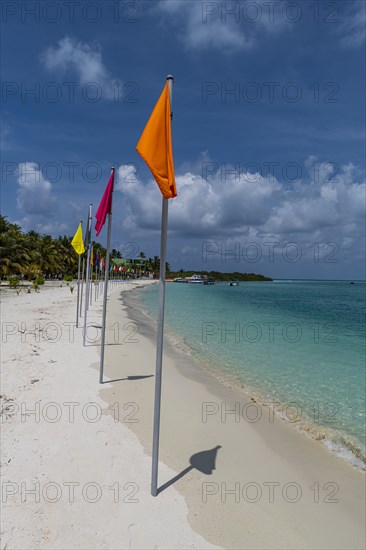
(76, 455)
(88, 472)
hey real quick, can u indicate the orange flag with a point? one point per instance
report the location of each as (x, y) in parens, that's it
(155, 146)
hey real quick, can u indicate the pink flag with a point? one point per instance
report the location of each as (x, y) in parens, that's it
(105, 206)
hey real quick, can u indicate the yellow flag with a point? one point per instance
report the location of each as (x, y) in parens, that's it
(92, 256)
(77, 242)
(155, 146)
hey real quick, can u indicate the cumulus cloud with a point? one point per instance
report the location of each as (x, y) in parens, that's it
(140, 201)
(227, 206)
(225, 26)
(34, 193)
(38, 204)
(34, 198)
(82, 60)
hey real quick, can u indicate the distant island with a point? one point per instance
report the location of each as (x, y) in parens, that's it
(219, 276)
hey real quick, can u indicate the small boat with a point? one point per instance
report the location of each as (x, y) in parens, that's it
(180, 280)
(233, 283)
(195, 279)
(209, 281)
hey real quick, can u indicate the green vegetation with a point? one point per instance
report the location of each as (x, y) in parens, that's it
(33, 257)
(37, 282)
(218, 276)
(14, 281)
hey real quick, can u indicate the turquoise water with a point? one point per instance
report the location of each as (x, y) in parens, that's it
(300, 344)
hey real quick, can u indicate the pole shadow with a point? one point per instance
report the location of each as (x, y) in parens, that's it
(204, 462)
(138, 377)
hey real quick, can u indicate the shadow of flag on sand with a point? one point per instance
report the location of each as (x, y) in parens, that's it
(204, 462)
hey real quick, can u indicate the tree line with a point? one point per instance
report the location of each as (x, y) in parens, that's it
(30, 254)
(220, 276)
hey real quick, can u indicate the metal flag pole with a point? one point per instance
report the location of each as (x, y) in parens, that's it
(160, 335)
(101, 279)
(86, 293)
(78, 295)
(82, 286)
(105, 295)
(87, 277)
(97, 270)
(91, 281)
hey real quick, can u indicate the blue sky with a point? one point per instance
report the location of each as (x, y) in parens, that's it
(268, 129)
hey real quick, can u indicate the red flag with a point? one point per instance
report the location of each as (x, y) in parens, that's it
(105, 206)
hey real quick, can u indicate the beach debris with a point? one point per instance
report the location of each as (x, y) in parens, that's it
(7, 408)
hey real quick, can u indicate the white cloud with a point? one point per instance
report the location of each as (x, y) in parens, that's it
(141, 203)
(82, 60)
(34, 197)
(322, 207)
(224, 207)
(326, 203)
(6, 137)
(54, 228)
(353, 24)
(39, 206)
(225, 26)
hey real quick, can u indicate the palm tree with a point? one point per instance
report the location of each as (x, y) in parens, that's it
(14, 255)
(115, 253)
(66, 258)
(156, 263)
(47, 256)
(32, 254)
(33, 237)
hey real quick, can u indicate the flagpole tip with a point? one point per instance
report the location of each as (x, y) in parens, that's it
(170, 77)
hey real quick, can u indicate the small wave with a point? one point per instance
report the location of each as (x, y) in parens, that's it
(347, 451)
(335, 441)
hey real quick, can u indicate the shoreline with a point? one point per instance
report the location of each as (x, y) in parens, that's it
(185, 435)
(335, 441)
(223, 483)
